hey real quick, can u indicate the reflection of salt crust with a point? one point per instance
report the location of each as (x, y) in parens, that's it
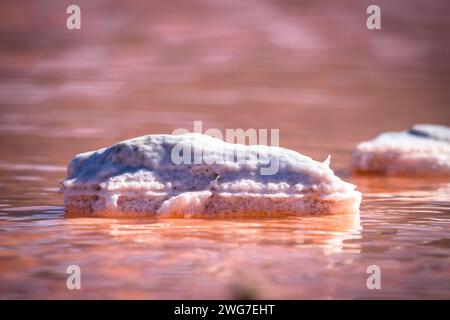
(423, 150)
(138, 176)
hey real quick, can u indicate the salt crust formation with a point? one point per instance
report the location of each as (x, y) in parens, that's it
(139, 177)
(424, 150)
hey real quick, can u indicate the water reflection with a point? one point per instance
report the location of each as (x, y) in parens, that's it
(328, 233)
(117, 252)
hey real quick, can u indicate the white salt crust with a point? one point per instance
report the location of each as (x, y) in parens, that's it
(137, 177)
(423, 150)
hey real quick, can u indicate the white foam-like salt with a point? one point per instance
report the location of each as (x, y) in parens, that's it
(422, 150)
(143, 168)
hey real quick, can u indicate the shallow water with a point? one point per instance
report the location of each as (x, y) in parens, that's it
(311, 70)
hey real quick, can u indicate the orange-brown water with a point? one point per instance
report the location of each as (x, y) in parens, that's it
(312, 70)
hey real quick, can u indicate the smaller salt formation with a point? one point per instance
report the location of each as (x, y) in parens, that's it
(424, 150)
